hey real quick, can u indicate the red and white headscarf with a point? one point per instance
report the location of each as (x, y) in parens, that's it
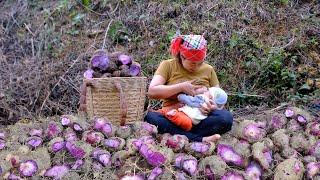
(192, 47)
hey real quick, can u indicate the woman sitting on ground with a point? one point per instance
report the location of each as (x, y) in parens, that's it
(186, 73)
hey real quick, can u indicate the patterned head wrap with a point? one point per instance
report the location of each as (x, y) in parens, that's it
(192, 47)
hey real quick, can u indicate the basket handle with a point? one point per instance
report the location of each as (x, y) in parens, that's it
(83, 93)
(123, 103)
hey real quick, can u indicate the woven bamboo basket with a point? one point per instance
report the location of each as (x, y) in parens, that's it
(120, 99)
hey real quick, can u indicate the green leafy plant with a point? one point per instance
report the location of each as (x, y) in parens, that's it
(284, 2)
(118, 32)
(64, 4)
(86, 3)
(77, 18)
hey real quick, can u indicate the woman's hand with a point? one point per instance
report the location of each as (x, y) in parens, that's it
(188, 88)
(201, 90)
(209, 106)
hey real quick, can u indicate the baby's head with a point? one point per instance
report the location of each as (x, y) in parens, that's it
(220, 97)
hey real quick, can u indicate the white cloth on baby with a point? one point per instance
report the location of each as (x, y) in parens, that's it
(193, 112)
(220, 97)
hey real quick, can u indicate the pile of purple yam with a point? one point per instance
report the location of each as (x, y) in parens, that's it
(272, 145)
(115, 64)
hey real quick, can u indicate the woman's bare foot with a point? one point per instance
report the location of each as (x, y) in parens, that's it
(213, 138)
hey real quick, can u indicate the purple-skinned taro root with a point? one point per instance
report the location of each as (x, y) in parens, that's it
(156, 156)
(152, 129)
(160, 173)
(289, 169)
(96, 166)
(77, 164)
(133, 145)
(250, 131)
(280, 139)
(300, 115)
(213, 167)
(92, 137)
(2, 144)
(289, 152)
(104, 159)
(78, 149)
(98, 123)
(114, 143)
(77, 127)
(176, 142)
(289, 113)
(28, 168)
(65, 120)
(70, 135)
(157, 171)
(144, 129)
(308, 159)
(5, 167)
(314, 150)
(53, 129)
(301, 119)
(313, 128)
(13, 159)
(301, 142)
(124, 60)
(189, 164)
(12, 176)
(36, 132)
(232, 175)
(124, 131)
(178, 159)
(132, 177)
(57, 172)
(3, 134)
(313, 168)
(147, 140)
(77, 123)
(262, 154)
(229, 155)
(34, 141)
(200, 149)
(124, 71)
(135, 69)
(254, 171)
(276, 121)
(102, 156)
(293, 126)
(88, 74)
(181, 175)
(243, 148)
(120, 157)
(153, 157)
(100, 61)
(105, 127)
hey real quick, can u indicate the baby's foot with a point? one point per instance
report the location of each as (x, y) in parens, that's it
(171, 113)
(213, 138)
